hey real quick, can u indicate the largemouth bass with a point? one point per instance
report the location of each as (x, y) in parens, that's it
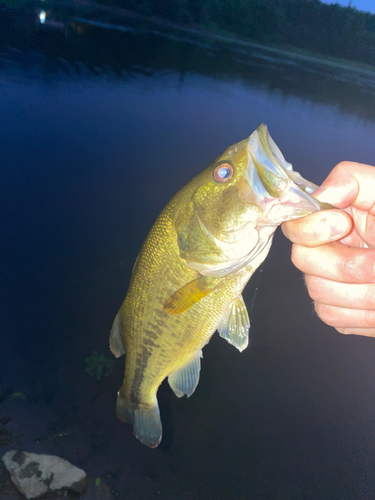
(192, 268)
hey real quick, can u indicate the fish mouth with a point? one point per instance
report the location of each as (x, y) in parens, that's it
(282, 193)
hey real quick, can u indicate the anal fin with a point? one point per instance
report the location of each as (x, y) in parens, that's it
(185, 380)
(115, 339)
(235, 323)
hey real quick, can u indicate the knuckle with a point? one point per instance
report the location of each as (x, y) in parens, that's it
(342, 167)
(369, 318)
(325, 313)
(297, 256)
(314, 286)
(351, 268)
(370, 297)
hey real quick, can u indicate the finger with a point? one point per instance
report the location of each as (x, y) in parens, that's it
(366, 332)
(318, 228)
(340, 317)
(349, 183)
(336, 261)
(333, 293)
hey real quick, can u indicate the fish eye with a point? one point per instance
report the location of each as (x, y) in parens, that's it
(223, 172)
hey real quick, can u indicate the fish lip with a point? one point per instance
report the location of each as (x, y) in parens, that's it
(273, 153)
(283, 167)
(264, 154)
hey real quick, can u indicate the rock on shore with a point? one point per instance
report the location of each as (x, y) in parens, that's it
(34, 475)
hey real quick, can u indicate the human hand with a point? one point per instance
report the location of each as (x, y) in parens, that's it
(336, 249)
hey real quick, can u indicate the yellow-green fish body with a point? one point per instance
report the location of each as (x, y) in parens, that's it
(192, 268)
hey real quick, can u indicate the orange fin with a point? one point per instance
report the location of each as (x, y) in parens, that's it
(188, 295)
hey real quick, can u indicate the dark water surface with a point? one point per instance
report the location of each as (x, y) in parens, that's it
(97, 131)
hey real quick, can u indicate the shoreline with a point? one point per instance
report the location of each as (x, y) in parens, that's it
(231, 39)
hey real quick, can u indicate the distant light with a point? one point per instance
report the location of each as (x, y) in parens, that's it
(42, 16)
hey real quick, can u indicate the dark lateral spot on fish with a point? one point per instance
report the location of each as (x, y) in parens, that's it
(141, 362)
(153, 335)
(134, 398)
(142, 358)
(19, 457)
(150, 343)
(31, 469)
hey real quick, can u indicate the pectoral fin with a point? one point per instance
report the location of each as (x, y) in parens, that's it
(185, 380)
(234, 325)
(189, 294)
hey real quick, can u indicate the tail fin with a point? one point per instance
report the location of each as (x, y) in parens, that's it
(146, 421)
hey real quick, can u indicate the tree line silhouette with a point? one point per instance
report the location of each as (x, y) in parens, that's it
(332, 30)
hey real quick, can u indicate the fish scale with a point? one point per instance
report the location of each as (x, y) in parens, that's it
(181, 336)
(192, 268)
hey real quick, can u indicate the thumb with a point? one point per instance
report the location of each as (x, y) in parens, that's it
(349, 183)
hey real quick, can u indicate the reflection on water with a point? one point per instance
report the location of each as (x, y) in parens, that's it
(105, 48)
(98, 129)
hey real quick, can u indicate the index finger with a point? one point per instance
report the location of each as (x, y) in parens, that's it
(318, 228)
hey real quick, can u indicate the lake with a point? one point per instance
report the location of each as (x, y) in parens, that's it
(99, 127)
